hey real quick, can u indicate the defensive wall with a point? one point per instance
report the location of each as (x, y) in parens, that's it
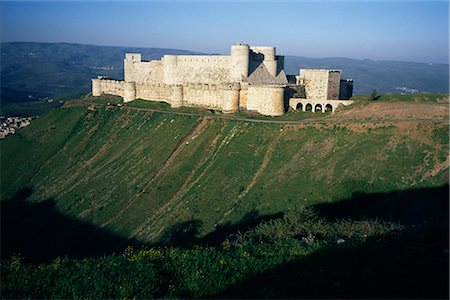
(180, 69)
(268, 100)
(251, 77)
(320, 84)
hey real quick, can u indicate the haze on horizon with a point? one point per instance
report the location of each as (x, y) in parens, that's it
(384, 30)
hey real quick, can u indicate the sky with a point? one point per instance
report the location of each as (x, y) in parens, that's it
(378, 30)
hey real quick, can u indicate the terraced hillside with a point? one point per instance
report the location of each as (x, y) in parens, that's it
(140, 175)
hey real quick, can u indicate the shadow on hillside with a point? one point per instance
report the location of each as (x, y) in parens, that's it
(39, 232)
(427, 207)
(229, 230)
(186, 234)
(183, 234)
(411, 265)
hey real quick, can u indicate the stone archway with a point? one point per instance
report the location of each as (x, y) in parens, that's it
(328, 108)
(299, 106)
(308, 107)
(318, 107)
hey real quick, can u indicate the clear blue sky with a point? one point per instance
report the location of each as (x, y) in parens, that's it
(380, 30)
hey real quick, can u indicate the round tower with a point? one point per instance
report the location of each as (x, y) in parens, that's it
(129, 91)
(267, 51)
(239, 62)
(269, 59)
(231, 97)
(176, 95)
(271, 66)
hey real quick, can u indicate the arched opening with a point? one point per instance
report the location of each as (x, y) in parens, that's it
(308, 107)
(318, 107)
(328, 108)
(299, 106)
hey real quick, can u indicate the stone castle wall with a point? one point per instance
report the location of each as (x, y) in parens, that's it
(177, 69)
(198, 69)
(108, 86)
(212, 69)
(320, 84)
(156, 92)
(203, 95)
(334, 82)
(249, 78)
(267, 100)
(140, 72)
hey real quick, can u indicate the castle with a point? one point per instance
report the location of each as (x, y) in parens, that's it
(250, 78)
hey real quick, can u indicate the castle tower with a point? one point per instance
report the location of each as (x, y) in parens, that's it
(170, 69)
(231, 98)
(239, 65)
(176, 95)
(128, 64)
(269, 58)
(129, 93)
(320, 83)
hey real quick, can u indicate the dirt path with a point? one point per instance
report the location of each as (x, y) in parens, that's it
(194, 132)
(189, 183)
(376, 113)
(255, 177)
(183, 189)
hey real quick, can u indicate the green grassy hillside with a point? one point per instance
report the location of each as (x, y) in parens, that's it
(139, 173)
(83, 182)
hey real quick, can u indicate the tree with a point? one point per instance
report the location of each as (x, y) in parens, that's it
(373, 96)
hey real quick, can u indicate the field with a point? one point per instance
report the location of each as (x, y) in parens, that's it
(111, 177)
(414, 98)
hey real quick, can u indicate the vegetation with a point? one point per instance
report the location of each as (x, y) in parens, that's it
(373, 96)
(32, 108)
(217, 207)
(78, 158)
(261, 264)
(414, 98)
(290, 115)
(53, 69)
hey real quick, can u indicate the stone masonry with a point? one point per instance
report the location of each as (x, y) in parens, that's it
(251, 78)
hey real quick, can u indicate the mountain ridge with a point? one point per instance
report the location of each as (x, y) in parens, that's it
(32, 70)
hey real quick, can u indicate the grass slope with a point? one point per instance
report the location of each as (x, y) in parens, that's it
(313, 258)
(140, 173)
(351, 210)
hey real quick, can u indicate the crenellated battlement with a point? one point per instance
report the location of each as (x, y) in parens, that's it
(251, 77)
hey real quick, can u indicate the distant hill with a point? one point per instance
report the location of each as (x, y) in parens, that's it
(385, 76)
(30, 71)
(36, 70)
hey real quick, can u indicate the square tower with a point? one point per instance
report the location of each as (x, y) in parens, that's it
(320, 84)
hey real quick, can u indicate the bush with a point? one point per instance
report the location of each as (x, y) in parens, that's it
(305, 224)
